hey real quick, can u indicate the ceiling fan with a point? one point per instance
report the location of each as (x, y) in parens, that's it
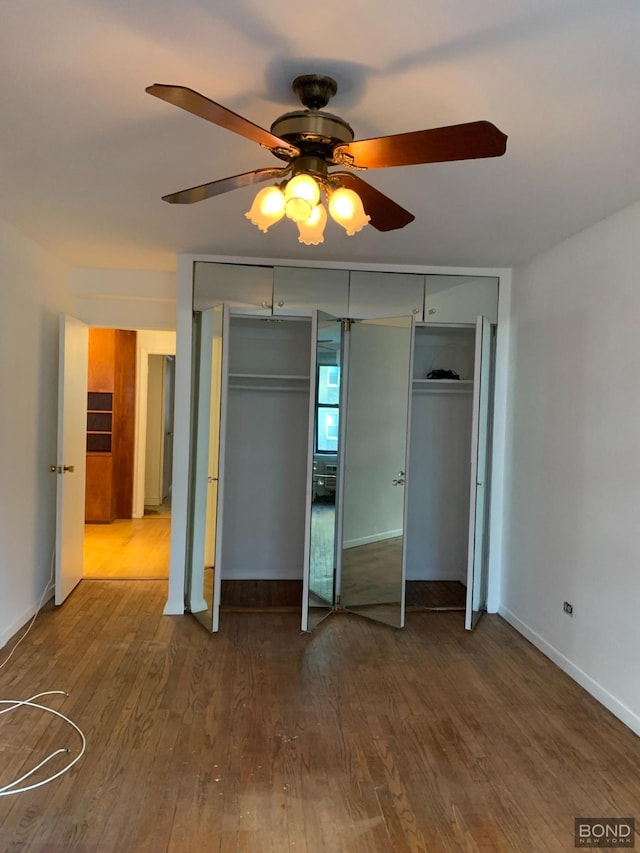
(311, 142)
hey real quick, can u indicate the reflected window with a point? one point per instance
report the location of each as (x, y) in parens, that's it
(328, 416)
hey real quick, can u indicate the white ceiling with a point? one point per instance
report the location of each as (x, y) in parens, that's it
(86, 154)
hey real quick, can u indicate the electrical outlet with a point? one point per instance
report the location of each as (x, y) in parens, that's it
(568, 608)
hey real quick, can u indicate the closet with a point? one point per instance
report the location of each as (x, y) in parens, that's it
(324, 455)
(250, 459)
(449, 439)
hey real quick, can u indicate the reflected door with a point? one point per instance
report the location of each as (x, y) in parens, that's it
(378, 366)
(477, 564)
(209, 408)
(324, 428)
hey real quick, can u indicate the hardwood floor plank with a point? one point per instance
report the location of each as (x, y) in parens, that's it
(128, 548)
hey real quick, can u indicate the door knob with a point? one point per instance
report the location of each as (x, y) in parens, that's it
(398, 481)
(69, 469)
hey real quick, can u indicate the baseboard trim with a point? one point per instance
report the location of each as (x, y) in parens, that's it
(621, 711)
(27, 614)
(376, 537)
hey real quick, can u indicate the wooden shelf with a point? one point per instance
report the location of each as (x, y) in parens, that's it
(448, 386)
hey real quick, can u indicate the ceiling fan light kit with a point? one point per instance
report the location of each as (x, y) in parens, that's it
(312, 141)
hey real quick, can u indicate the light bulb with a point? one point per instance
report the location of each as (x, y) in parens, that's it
(267, 208)
(301, 195)
(346, 208)
(312, 229)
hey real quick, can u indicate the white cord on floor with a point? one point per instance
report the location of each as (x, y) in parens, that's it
(5, 790)
(10, 788)
(38, 608)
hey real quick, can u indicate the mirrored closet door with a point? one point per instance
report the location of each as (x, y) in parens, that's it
(323, 455)
(358, 458)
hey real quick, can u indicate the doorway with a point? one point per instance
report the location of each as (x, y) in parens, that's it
(136, 547)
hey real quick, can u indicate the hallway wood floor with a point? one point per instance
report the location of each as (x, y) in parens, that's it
(355, 739)
(128, 548)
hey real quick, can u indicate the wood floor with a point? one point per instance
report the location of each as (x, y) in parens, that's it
(287, 595)
(131, 548)
(356, 738)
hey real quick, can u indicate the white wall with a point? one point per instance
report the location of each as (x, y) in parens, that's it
(124, 299)
(572, 491)
(33, 291)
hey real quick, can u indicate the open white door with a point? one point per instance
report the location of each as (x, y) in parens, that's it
(207, 465)
(479, 486)
(71, 460)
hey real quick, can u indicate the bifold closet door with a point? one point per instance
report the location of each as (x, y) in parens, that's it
(318, 593)
(378, 364)
(477, 563)
(207, 462)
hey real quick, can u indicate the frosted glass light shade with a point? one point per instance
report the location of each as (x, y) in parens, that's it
(301, 195)
(311, 231)
(346, 208)
(267, 208)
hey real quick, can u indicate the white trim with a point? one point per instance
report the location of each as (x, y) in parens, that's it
(420, 269)
(181, 437)
(499, 445)
(622, 712)
(376, 537)
(311, 428)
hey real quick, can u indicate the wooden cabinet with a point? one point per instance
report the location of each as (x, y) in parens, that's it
(110, 425)
(385, 294)
(298, 291)
(98, 505)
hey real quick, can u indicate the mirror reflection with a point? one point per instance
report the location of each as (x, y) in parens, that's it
(379, 368)
(325, 469)
(208, 327)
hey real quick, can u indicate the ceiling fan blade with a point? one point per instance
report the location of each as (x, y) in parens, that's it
(385, 214)
(438, 145)
(193, 102)
(224, 185)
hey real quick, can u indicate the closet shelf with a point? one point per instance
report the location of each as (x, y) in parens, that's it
(454, 386)
(259, 376)
(268, 382)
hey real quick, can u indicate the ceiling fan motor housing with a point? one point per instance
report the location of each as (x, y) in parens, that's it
(314, 132)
